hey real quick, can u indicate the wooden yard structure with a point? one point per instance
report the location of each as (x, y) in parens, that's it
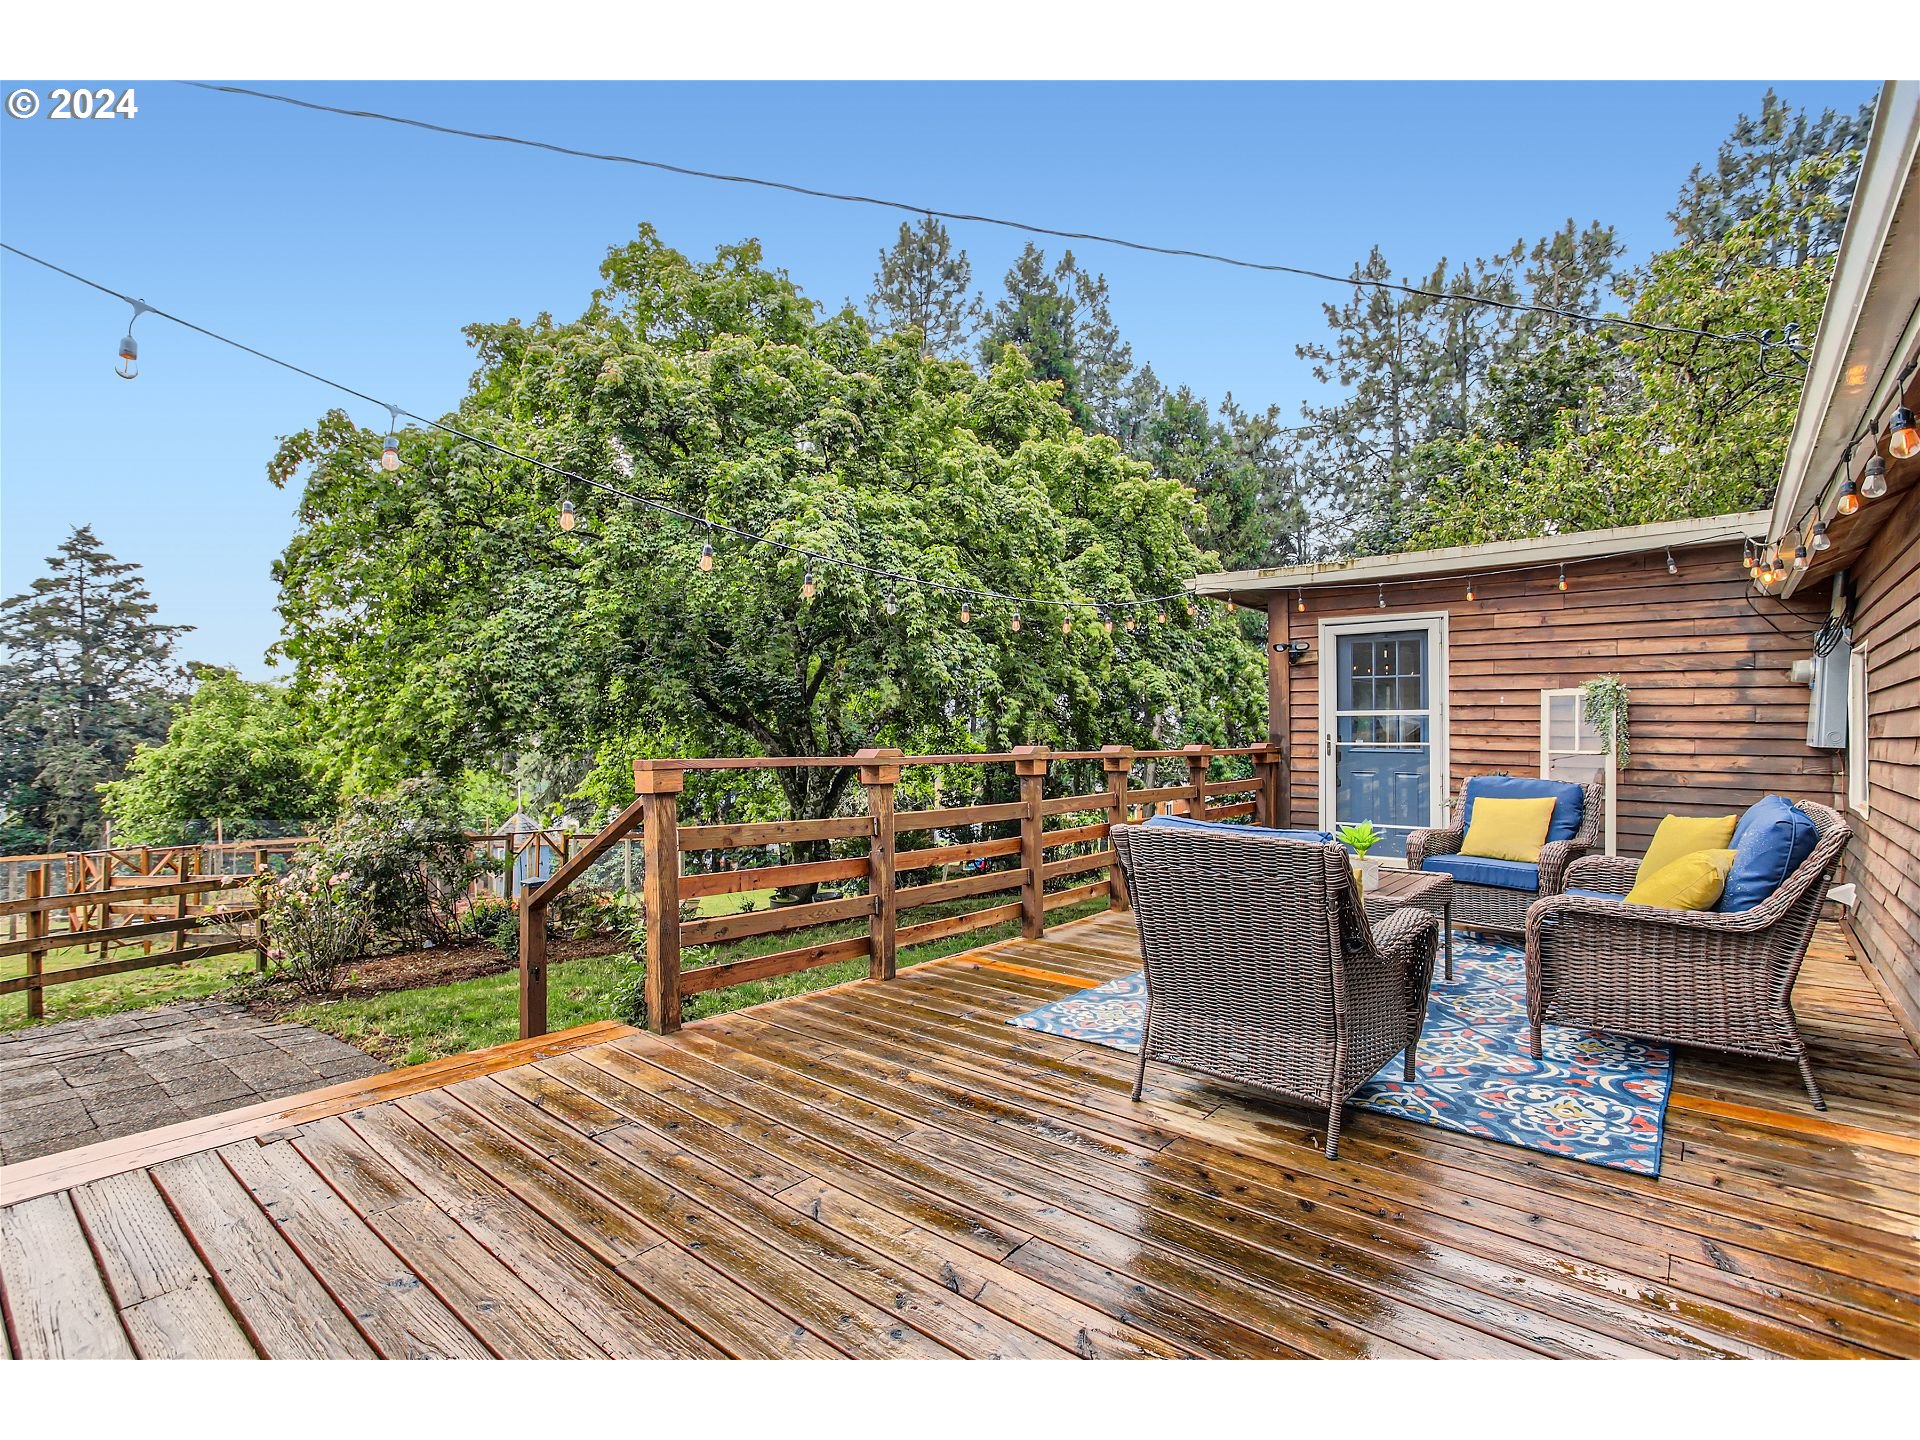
(889, 1169)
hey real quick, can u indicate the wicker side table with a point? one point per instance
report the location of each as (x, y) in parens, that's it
(1421, 889)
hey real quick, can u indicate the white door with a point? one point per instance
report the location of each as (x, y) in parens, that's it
(1571, 749)
(1383, 732)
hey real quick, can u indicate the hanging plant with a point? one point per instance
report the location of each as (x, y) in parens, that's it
(1606, 699)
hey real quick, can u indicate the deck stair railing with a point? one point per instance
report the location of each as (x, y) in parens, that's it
(893, 874)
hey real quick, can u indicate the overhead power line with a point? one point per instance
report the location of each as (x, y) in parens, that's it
(1766, 340)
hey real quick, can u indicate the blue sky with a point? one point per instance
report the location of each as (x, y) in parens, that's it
(359, 249)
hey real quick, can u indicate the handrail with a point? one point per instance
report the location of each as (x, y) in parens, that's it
(654, 818)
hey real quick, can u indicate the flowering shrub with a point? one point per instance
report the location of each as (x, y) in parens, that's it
(315, 921)
(409, 854)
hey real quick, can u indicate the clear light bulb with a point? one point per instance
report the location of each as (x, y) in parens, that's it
(129, 366)
(1821, 540)
(1015, 622)
(807, 587)
(390, 453)
(1873, 484)
(706, 556)
(966, 613)
(566, 515)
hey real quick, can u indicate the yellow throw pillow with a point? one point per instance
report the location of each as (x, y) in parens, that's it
(1693, 882)
(1684, 835)
(1508, 829)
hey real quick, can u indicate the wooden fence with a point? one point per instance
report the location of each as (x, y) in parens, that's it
(172, 923)
(1040, 823)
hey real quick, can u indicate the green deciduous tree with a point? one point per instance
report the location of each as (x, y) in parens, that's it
(234, 765)
(924, 284)
(88, 675)
(446, 618)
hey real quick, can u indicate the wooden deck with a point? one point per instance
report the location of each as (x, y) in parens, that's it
(888, 1169)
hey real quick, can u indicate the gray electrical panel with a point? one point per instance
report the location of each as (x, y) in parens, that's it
(1827, 713)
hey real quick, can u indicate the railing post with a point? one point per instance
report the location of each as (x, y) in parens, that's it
(1031, 767)
(36, 930)
(878, 778)
(658, 783)
(533, 960)
(1269, 807)
(1117, 761)
(1199, 759)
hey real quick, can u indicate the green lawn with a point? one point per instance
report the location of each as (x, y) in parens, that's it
(408, 1027)
(133, 990)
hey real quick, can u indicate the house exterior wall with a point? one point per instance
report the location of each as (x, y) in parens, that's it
(1884, 858)
(1715, 721)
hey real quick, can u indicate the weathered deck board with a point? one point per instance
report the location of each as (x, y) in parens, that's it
(889, 1169)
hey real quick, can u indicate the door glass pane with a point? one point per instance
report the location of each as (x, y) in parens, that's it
(1383, 756)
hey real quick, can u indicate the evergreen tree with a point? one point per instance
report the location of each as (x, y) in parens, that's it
(87, 677)
(1061, 320)
(924, 284)
(1767, 157)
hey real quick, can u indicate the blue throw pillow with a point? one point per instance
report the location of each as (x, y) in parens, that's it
(1769, 843)
(1569, 800)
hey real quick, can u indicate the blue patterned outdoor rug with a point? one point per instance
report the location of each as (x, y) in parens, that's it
(1593, 1097)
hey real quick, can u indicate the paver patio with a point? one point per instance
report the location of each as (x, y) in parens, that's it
(81, 1081)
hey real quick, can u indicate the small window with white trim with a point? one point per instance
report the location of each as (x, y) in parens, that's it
(1857, 731)
(1572, 749)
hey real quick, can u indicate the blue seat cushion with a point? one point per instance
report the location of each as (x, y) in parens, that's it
(1569, 800)
(1474, 870)
(1594, 895)
(1769, 843)
(1182, 822)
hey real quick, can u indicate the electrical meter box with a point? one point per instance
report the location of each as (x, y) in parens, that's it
(1827, 712)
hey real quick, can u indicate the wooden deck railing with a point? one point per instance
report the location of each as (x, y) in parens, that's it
(172, 923)
(890, 872)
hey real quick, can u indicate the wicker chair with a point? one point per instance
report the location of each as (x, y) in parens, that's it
(1494, 907)
(1723, 981)
(1262, 969)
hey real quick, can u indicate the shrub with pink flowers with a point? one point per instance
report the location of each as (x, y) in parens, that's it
(389, 874)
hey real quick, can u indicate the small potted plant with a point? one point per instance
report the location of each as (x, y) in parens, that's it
(1360, 839)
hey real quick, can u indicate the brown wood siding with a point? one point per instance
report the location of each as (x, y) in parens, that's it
(1885, 855)
(1716, 723)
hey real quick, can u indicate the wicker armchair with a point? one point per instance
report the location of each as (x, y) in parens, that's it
(1721, 981)
(1262, 969)
(1493, 907)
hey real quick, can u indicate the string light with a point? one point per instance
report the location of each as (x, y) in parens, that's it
(1159, 617)
(566, 515)
(390, 447)
(1848, 501)
(1300, 601)
(807, 586)
(1066, 626)
(1903, 437)
(1800, 555)
(1383, 597)
(893, 602)
(1469, 588)
(1820, 538)
(1873, 484)
(1014, 624)
(1231, 607)
(1746, 556)
(1563, 577)
(1672, 568)
(129, 366)
(1106, 622)
(966, 613)
(659, 506)
(706, 553)
(1132, 622)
